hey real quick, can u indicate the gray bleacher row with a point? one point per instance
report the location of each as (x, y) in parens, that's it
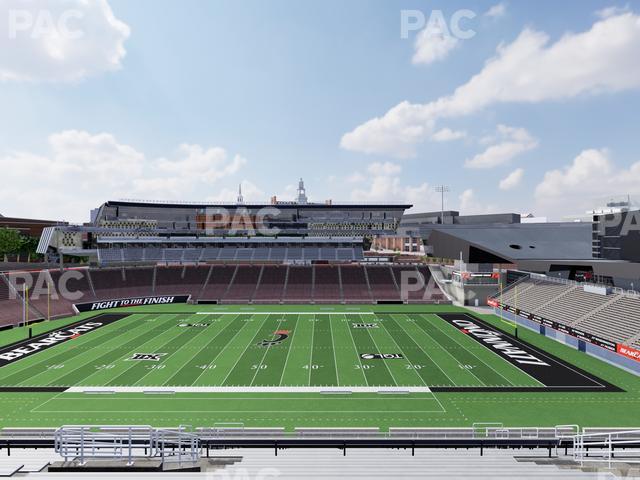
(109, 256)
(615, 317)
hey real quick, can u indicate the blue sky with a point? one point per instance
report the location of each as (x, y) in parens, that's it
(167, 99)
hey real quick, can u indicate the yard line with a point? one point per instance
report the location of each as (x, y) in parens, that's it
(444, 410)
(425, 352)
(264, 355)
(221, 351)
(201, 349)
(471, 352)
(76, 351)
(197, 335)
(385, 365)
(450, 354)
(544, 354)
(344, 350)
(284, 368)
(311, 350)
(402, 351)
(355, 349)
(333, 348)
(85, 363)
(244, 351)
(127, 354)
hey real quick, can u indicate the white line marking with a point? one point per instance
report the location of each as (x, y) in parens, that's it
(256, 389)
(286, 313)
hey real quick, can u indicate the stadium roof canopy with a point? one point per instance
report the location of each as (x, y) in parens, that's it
(512, 243)
(201, 205)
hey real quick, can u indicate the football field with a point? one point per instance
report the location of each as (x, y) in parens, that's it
(288, 366)
(233, 349)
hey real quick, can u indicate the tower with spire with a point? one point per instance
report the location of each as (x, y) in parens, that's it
(302, 194)
(240, 197)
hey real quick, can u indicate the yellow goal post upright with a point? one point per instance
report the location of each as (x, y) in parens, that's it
(26, 306)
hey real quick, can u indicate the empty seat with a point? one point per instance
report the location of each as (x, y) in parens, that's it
(327, 284)
(271, 284)
(311, 253)
(134, 254)
(227, 253)
(153, 254)
(299, 285)
(243, 285)
(244, 254)
(345, 254)
(354, 284)
(173, 254)
(382, 283)
(277, 253)
(219, 280)
(192, 254)
(210, 253)
(294, 253)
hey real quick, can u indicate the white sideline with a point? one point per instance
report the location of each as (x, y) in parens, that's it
(256, 312)
(163, 389)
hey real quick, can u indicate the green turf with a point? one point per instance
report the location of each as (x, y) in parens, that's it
(225, 350)
(322, 350)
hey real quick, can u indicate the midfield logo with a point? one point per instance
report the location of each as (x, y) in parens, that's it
(151, 357)
(194, 325)
(281, 336)
(383, 356)
(364, 325)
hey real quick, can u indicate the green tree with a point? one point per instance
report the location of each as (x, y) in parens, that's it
(29, 246)
(10, 241)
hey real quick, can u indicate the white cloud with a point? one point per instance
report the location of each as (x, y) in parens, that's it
(513, 142)
(65, 41)
(383, 184)
(447, 135)
(379, 169)
(577, 187)
(528, 70)
(467, 200)
(250, 193)
(512, 180)
(496, 11)
(470, 205)
(355, 177)
(208, 164)
(433, 43)
(81, 170)
(612, 11)
(289, 193)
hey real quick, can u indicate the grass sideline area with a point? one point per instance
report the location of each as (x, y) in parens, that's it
(433, 353)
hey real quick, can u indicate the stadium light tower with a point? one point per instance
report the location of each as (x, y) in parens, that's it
(442, 189)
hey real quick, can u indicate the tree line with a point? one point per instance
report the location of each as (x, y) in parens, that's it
(12, 242)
